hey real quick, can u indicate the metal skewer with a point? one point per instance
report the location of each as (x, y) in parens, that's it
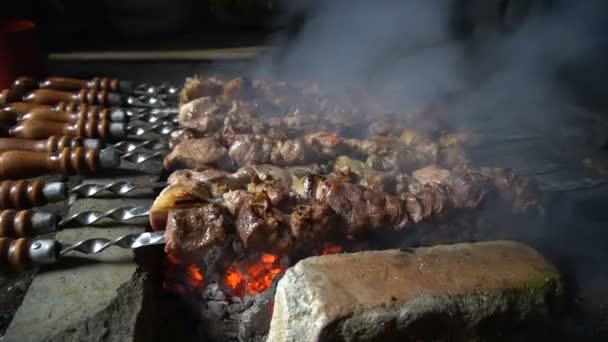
(128, 145)
(129, 241)
(118, 215)
(23, 253)
(115, 188)
(159, 128)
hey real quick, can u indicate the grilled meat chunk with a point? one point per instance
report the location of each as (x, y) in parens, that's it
(199, 87)
(313, 223)
(262, 227)
(173, 197)
(183, 134)
(203, 115)
(192, 233)
(523, 193)
(190, 154)
(363, 209)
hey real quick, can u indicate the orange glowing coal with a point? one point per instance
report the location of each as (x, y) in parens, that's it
(254, 277)
(335, 249)
(180, 277)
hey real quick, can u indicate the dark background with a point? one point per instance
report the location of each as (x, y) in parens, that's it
(144, 24)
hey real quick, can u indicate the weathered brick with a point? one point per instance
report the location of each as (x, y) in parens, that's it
(474, 291)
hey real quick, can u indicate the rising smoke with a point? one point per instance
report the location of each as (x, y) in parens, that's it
(504, 72)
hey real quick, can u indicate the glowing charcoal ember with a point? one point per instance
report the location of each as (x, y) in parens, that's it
(254, 278)
(335, 249)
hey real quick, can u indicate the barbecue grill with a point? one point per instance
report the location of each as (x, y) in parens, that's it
(218, 201)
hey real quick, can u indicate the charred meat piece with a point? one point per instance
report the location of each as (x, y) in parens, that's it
(173, 197)
(261, 227)
(468, 189)
(363, 209)
(313, 223)
(199, 87)
(235, 200)
(523, 193)
(203, 115)
(182, 134)
(191, 154)
(192, 233)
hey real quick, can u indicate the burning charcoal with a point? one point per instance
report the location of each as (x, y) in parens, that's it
(213, 292)
(255, 321)
(218, 308)
(238, 308)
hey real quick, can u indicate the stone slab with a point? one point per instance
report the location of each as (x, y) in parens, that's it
(83, 290)
(448, 292)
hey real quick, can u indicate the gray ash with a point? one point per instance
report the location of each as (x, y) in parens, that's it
(224, 318)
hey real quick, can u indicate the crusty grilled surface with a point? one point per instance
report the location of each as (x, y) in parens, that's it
(280, 169)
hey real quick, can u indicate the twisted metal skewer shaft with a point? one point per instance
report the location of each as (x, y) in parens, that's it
(129, 241)
(128, 146)
(163, 118)
(137, 157)
(120, 215)
(159, 128)
(117, 188)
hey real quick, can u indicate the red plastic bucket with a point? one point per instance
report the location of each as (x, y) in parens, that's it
(20, 52)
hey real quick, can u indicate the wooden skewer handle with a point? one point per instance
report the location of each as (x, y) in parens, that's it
(99, 83)
(26, 164)
(22, 254)
(36, 129)
(25, 223)
(88, 96)
(8, 117)
(70, 107)
(10, 95)
(51, 144)
(27, 84)
(25, 194)
(15, 255)
(47, 114)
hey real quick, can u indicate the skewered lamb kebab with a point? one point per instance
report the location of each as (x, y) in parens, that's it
(266, 223)
(389, 154)
(243, 106)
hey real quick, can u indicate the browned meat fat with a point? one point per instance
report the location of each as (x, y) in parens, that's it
(199, 87)
(249, 149)
(191, 233)
(413, 207)
(468, 190)
(182, 134)
(194, 153)
(261, 227)
(203, 115)
(362, 209)
(313, 223)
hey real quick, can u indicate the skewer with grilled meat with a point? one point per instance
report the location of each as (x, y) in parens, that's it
(261, 107)
(385, 154)
(193, 232)
(333, 208)
(188, 187)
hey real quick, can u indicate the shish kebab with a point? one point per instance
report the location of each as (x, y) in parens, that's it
(22, 253)
(25, 84)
